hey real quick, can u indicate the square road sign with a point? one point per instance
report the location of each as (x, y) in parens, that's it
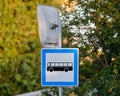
(60, 66)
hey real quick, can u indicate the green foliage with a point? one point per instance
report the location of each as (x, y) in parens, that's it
(55, 3)
(19, 47)
(99, 72)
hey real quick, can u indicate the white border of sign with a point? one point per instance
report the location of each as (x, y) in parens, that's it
(75, 51)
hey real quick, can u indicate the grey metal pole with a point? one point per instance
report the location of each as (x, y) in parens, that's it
(60, 35)
(60, 46)
(60, 91)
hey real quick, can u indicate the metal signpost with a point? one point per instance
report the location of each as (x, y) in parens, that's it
(57, 63)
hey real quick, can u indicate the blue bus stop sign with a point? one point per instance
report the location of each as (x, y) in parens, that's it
(60, 67)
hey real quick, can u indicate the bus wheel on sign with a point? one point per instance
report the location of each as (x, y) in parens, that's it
(51, 69)
(66, 69)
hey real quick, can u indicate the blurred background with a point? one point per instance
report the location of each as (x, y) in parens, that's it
(20, 47)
